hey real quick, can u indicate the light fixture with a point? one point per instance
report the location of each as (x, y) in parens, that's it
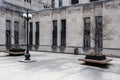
(30, 15)
(24, 15)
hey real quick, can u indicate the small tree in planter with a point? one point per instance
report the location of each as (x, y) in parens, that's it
(99, 32)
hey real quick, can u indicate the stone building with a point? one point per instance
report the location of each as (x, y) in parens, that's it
(61, 25)
(12, 23)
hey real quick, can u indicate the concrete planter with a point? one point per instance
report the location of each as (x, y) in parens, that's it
(93, 57)
(16, 51)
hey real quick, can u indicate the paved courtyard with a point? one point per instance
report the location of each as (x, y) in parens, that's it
(55, 66)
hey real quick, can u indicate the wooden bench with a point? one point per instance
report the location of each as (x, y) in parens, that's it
(96, 61)
(15, 53)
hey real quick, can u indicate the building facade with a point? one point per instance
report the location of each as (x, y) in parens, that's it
(13, 25)
(63, 25)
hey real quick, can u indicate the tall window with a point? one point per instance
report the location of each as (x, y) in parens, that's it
(54, 40)
(16, 32)
(31, 34)
(53, 3)
(87, 32)
(60, 3)
(37, 34)
(74, 1)
(8, 33)
(98, 33)
(63, 32)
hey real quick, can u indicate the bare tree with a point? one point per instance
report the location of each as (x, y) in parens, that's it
(100, 31)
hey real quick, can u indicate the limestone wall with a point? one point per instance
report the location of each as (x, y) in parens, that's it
(35, 5)
(74, 25)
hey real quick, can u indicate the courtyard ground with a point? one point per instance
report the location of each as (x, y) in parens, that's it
(55, 66)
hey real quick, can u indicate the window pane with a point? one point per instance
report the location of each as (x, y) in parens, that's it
(16, 32)
(54, 33)
(53, 3)
(31, 34)
(60, 3)
(98, 33)
(8, 34)
(16, 26)
(74, 1)
(63, 32)
(8, 22)
(93, 0)
(37, 34)
(87, 32)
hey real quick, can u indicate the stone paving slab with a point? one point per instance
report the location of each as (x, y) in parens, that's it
(55, 66)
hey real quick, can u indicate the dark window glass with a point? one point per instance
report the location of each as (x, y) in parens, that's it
(87, 32)
(98, 33)
(60, 3)
(63, 32)
(31, 34)
(8, 34)
(37, 34)
(74, 1)
(54, 42)
(93, 0)
(16, 32)
(53, 3)
(28, 1)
